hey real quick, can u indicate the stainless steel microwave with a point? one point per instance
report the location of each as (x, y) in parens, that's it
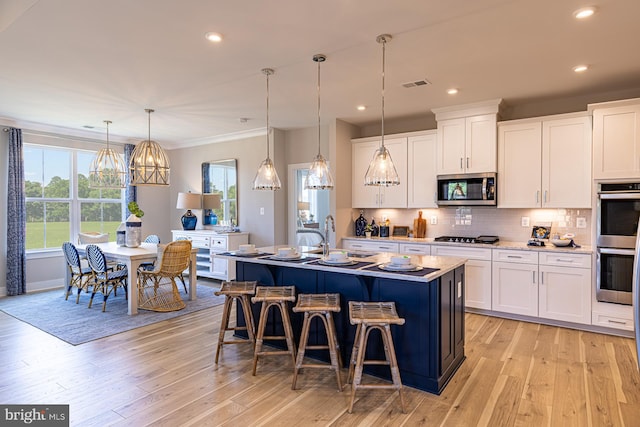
(478, 189)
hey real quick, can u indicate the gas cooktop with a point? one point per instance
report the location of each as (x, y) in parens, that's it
(460, 239)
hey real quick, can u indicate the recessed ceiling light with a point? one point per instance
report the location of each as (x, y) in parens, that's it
(361, 107)
(452, 91)
(213, 37)
(580, 68)
(585, 12)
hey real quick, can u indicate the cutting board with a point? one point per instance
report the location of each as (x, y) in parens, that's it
(419, 226)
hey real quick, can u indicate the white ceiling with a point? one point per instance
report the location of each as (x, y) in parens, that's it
(75, 63)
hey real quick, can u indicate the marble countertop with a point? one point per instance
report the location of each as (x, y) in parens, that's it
(444, 264)
(500, 245)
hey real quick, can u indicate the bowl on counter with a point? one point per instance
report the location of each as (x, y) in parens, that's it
(561, 242)
(401, 260)
(287, 252)
(337, 256)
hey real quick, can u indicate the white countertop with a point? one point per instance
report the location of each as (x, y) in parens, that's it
(444, 264)
(500, 245)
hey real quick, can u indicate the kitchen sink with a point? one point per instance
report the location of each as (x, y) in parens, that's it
(353, 254)
(313, 251)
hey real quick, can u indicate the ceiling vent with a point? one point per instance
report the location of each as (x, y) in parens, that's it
(423, 82)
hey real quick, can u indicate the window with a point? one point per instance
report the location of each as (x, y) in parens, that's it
(59, 202)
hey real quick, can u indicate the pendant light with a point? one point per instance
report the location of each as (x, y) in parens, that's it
(149, 164)
(267, 176)
(107, 169)
(382, 172)
(319, 176)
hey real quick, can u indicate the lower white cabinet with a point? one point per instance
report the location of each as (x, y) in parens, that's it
(371, 245)
(409, 249)
(477, 270)
(565, 287)
(515, 282)
(550, 285)
(210, 243)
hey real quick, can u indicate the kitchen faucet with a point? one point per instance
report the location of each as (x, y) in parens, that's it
(325, 247)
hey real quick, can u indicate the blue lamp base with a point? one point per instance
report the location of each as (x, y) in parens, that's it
(189, 221)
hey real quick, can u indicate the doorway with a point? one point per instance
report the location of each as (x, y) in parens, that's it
(307, 209)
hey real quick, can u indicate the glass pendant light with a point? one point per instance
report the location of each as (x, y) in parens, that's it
(149, 164)
(267, 176)
(319, 176)
(107, 169)
(382, 172)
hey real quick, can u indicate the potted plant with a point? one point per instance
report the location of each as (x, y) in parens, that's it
(133, 232)
(367, 231)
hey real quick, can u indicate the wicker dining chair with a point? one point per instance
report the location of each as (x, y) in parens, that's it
(79, 275)
(105, 280)
(157, 289)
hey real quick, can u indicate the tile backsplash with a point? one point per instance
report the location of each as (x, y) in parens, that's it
(507, 224)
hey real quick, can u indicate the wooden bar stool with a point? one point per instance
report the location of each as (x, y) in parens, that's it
(322, 306)
(239, 292)
(274, 296)
(369, 316)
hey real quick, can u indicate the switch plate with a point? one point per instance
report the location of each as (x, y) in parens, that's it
(524, 221)
(261, 211)
(581, 222)
(434, 220)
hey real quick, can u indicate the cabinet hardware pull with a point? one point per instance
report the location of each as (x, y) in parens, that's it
(542, 279)
(545, 196)
(460, 163)
(537, 195)
(514, 256)
(563, 260)
(467, 163)
(619, 322)
(533, 275)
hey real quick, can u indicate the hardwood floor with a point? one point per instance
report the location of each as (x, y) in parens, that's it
(515, 374)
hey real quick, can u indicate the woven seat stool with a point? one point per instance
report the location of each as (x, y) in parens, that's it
(274, 296)
(369, 316)
(321, 306)
(239, 292)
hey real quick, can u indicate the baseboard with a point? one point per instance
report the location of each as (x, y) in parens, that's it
(45, 285)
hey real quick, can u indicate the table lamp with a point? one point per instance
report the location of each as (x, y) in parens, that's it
(209, 203)
(189, 201)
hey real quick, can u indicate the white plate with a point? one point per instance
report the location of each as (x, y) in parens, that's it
(244, 253)
(396, 267)
(330, 262)
(288, 257)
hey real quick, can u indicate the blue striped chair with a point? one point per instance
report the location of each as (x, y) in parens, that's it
(79, 276)
(150, 265)
(104, 280)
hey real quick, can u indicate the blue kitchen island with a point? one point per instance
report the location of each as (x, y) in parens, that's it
(429, 346)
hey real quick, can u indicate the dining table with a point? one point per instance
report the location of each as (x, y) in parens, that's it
(132, 258)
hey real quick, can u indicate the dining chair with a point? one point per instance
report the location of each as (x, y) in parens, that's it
(157, 289)
(79, 275)
(89, 237)
(105, 280)
(149, 265)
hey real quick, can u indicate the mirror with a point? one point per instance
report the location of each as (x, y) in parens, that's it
(220, 177)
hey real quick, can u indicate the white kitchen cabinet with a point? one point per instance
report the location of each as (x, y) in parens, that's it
(478, 273)
(616, 139)
(467, 145)
(545, 162)
(565, 287)
(210, 243)
(466, 138)
(370, 245)
(378, 197)
(421, 171)
(414, 249)
(515, 282)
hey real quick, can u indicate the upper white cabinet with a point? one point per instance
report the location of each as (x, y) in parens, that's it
(421, 174)
(378, 197)
(545, 162)
(466, 138)
(616, 139)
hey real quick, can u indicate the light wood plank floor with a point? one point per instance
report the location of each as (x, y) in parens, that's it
(515, 374)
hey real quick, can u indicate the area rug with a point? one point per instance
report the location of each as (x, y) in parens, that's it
(77, 324)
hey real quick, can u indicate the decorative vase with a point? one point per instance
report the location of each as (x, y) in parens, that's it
(133, 232)
(360, 224)
(367, 234)
(121, 237)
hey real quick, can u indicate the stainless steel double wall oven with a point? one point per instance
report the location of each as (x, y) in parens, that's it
(618, 213)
